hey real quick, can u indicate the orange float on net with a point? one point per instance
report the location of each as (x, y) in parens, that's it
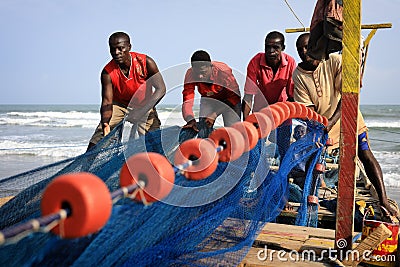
(249, 133)
(329, 142)
(321, 119)
(285, 108)
(312, 199)
(324, 120)
(292, 110)
(262, 122)
(315, 116)
(87, 199)
(302, 110)
(277, 112)
(319, 167)
(232, 142)
(281, 112)
(310, 112)
(154, 170)
(203, 154)
(274, 115)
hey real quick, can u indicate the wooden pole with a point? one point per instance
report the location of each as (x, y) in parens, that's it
(348, 128)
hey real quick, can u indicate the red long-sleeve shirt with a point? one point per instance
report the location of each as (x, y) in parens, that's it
(223, 87)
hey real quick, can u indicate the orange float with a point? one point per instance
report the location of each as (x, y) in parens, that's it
(310, 113)
(281, 112)
(277, 113)
(262, 122)
(232, 142)
(151, 168)
(302, 110)
(274, 115)
(312, 199)
(87, 199)
(285, 108)
(203, 154)
(319, 167)
(249, 133)
(315, 116)
(292, 109)
(329, 142)
(324, 121)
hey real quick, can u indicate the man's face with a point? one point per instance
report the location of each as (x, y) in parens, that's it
(202, 71)
(301, 46)
(119, 49)
(273, 50)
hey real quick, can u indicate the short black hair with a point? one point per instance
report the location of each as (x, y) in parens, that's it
(301, 36)
(200, 55)
(118, 35)
(275, 35)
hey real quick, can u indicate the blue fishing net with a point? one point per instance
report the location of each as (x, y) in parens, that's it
(200, 223)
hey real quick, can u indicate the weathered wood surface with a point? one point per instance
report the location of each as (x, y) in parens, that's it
(370, 243)
(283, 245)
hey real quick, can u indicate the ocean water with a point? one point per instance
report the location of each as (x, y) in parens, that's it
(32, 136)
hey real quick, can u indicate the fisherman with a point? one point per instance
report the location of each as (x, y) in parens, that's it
(269, 80)
(127, 83)
(219, 92)
(318, 86)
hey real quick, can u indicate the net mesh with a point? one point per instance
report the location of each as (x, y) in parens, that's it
(200, 223)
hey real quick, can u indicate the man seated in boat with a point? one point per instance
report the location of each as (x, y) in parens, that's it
(318, 86)
(297, 175)
(219, 92)
(129, 81)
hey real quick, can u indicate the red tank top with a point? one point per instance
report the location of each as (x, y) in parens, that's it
(132, 87)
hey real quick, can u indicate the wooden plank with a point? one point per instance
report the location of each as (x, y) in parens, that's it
(279, 243)
(290, 240)
(348, 131)
(255, 258)
(300, 230)
(370, 243)
(318, 245)
(364, 27)
(323, 214)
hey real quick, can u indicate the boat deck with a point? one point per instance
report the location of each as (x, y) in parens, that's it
(283, 245)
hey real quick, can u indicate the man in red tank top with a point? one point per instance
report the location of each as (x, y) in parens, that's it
(127, 82)
(219, 92)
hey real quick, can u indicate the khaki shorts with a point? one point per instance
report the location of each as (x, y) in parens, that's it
(119, 112)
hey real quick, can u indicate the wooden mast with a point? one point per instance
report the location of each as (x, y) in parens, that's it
(352, 71)
(348, 130)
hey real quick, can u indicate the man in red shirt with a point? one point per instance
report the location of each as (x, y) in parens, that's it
(127, 82)
(219, 92)
(269, 80)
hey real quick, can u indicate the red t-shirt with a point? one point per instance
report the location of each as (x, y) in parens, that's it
(223, 87)
(267, 88)
(131, 87)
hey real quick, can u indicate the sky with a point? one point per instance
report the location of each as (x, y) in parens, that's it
(52, 51)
